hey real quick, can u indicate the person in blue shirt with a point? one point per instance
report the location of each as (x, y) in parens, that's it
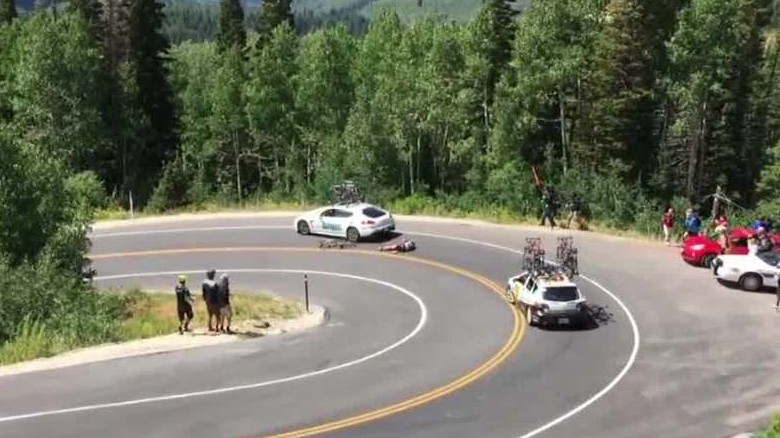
(692, 223)
(764, 223)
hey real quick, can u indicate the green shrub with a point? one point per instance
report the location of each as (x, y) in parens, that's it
(772, 431)
(56, 300)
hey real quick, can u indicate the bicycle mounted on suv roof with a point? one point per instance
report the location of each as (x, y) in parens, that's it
(346, 193)
(566, 256)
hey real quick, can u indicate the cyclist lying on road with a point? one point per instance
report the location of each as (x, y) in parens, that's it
(399, 245)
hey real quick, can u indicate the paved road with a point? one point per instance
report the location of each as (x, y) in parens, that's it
(704, 367)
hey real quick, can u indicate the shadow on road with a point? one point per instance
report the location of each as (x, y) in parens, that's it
(326, 242)
(600, 315)
(736, 287)
(597, 316)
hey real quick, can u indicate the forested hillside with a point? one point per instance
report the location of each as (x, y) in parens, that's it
(631, 104)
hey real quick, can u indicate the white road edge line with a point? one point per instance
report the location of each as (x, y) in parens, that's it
(552, 423)
(420, 324)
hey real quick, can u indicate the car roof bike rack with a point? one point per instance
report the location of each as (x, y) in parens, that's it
(567, 255)
(346, 193)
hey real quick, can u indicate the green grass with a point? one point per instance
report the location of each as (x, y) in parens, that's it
(153, 313)
(115, 213)
(772, 431)
(144, 315)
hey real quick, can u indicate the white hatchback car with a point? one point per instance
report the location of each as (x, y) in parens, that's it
(349, 221)
(750, 272)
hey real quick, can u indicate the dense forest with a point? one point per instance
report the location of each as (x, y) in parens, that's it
(632, 104)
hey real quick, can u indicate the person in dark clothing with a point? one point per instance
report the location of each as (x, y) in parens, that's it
(183, 304)
(210, 297)
(223, 301)
(575, 210)
(549, 205)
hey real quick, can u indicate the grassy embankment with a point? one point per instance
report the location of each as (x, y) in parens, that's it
(142, 315)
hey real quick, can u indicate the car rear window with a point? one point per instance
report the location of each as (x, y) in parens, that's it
(562, 293)
(373, 212)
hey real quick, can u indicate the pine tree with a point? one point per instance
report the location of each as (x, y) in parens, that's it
(620, 118)
(272, 15)
(500, 38)
(231, 25)
(148, 53)
(7, 11)
(91, 11)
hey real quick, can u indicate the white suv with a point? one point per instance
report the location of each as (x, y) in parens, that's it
(548, 298)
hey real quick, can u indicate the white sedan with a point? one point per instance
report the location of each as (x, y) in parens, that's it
(350, 221)
(750, 272)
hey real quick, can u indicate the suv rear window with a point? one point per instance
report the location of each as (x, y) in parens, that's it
(373, 212)
(562, 293)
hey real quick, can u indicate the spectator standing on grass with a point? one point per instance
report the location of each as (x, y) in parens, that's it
(667, 222)
(225, 310)
(210, 297)
(183, 304)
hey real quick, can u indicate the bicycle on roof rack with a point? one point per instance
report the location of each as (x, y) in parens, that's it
(567, 255)
(346, 193)
(533, 255)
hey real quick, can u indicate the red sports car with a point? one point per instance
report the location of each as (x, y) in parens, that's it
(701, 250)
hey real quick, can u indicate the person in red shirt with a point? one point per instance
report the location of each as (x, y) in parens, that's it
(667, 221)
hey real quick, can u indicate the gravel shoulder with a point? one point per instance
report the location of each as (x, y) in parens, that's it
(174, 342)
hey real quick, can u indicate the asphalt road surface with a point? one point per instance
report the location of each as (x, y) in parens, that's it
(422, 344)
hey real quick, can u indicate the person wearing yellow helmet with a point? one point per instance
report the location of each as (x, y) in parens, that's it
(183, 304)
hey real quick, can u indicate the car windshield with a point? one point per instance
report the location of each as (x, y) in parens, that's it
(561, 293)
(771, 258)
(373, 212)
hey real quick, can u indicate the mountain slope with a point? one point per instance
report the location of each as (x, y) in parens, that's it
(406, 9)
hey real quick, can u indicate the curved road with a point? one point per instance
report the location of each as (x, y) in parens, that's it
(427, 333)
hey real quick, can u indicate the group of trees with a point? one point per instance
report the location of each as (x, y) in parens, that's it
(631, 102)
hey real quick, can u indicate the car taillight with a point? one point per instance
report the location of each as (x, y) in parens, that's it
(369, 223)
